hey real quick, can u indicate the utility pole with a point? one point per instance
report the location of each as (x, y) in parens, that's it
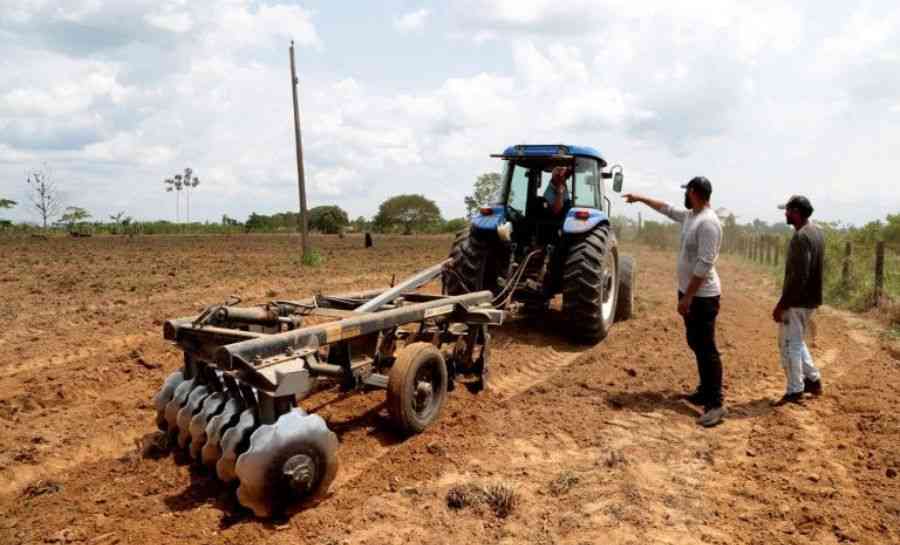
(301, 177)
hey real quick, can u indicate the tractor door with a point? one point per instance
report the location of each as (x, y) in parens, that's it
(588, 184)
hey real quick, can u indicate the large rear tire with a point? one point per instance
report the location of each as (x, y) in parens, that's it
(590, 285)
(474, 266)
(625, 297)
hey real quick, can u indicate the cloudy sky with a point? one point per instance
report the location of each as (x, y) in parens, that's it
(764, 98)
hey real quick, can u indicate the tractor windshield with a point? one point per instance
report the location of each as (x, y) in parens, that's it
(526, 182)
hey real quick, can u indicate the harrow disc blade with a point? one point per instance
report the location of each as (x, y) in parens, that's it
(293, 458)
(234, 442)
(218, 424)
(176, 403)
(162, 398)
(212, 406)
(194, 403)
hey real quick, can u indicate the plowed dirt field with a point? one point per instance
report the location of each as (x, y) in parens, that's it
(594, 442)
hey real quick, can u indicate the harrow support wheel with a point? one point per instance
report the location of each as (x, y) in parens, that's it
(293, 458)
(417, 387)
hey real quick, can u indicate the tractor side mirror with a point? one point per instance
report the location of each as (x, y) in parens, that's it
(618, 178)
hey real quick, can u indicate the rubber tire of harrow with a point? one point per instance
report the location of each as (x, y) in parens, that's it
(582, 289)
(263, 486)
(474, 264)
(401, 388)
(625, 297)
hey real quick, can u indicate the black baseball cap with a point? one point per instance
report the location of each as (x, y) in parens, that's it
(701, 185)
(798, 202)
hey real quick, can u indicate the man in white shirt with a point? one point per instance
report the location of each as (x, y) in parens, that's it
(699, 289)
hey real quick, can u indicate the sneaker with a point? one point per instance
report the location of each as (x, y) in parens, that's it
(697, 398)
(813, 387)
(712, 417)
(789, 398)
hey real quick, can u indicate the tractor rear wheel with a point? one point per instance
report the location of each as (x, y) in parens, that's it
(590, 285)
(474, 266)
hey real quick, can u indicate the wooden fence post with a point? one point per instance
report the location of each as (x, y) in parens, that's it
(879, 272)
(777, 251)
(845, 271)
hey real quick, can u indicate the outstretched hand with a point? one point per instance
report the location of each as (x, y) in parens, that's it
(631, 198)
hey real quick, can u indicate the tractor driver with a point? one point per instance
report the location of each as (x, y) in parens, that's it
(557, 194)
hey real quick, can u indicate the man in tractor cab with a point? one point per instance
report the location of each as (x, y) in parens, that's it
(557, 194)
(698, 288)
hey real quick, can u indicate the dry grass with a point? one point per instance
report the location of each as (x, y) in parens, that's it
(500, 497)
(465, 495)
(614, 459)
(564, 482)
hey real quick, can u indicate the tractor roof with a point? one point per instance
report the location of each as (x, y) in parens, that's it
(551, 150)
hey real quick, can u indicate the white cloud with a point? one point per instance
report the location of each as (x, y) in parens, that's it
(412, 21)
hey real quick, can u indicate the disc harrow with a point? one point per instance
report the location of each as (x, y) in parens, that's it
(233, 406)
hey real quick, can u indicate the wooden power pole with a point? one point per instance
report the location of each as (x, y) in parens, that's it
(301, 177)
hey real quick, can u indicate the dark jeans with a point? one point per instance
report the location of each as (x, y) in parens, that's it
(700, 324)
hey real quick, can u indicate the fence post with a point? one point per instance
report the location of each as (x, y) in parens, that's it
(778, 251)
(879, 272)
(845, 271)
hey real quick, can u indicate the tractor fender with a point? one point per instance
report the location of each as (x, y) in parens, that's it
(574, 226)
(489, 222)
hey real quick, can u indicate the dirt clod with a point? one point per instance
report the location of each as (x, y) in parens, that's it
(41, 487)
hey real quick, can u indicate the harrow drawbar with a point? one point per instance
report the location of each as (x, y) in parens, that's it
(233, 406)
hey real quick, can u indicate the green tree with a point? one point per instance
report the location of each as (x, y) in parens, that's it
(328, 219)
(487, 186)
(6, 203)
(360, 224)
(258, 222)
(411, 212)
(455, 225)
(74, 216)
(120, 222)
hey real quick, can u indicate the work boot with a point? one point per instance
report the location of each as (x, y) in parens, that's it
(713, 416)
(789, 398)
(813, 387)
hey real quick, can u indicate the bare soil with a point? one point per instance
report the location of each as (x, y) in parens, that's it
(570, 445)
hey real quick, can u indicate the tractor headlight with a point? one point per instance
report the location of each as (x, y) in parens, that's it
(504, 231)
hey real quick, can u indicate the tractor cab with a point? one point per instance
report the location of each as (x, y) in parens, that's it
(525, 199)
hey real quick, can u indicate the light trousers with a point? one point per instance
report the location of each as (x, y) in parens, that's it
(796, 360)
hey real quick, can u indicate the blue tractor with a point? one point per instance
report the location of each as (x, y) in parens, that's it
(526, 249)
